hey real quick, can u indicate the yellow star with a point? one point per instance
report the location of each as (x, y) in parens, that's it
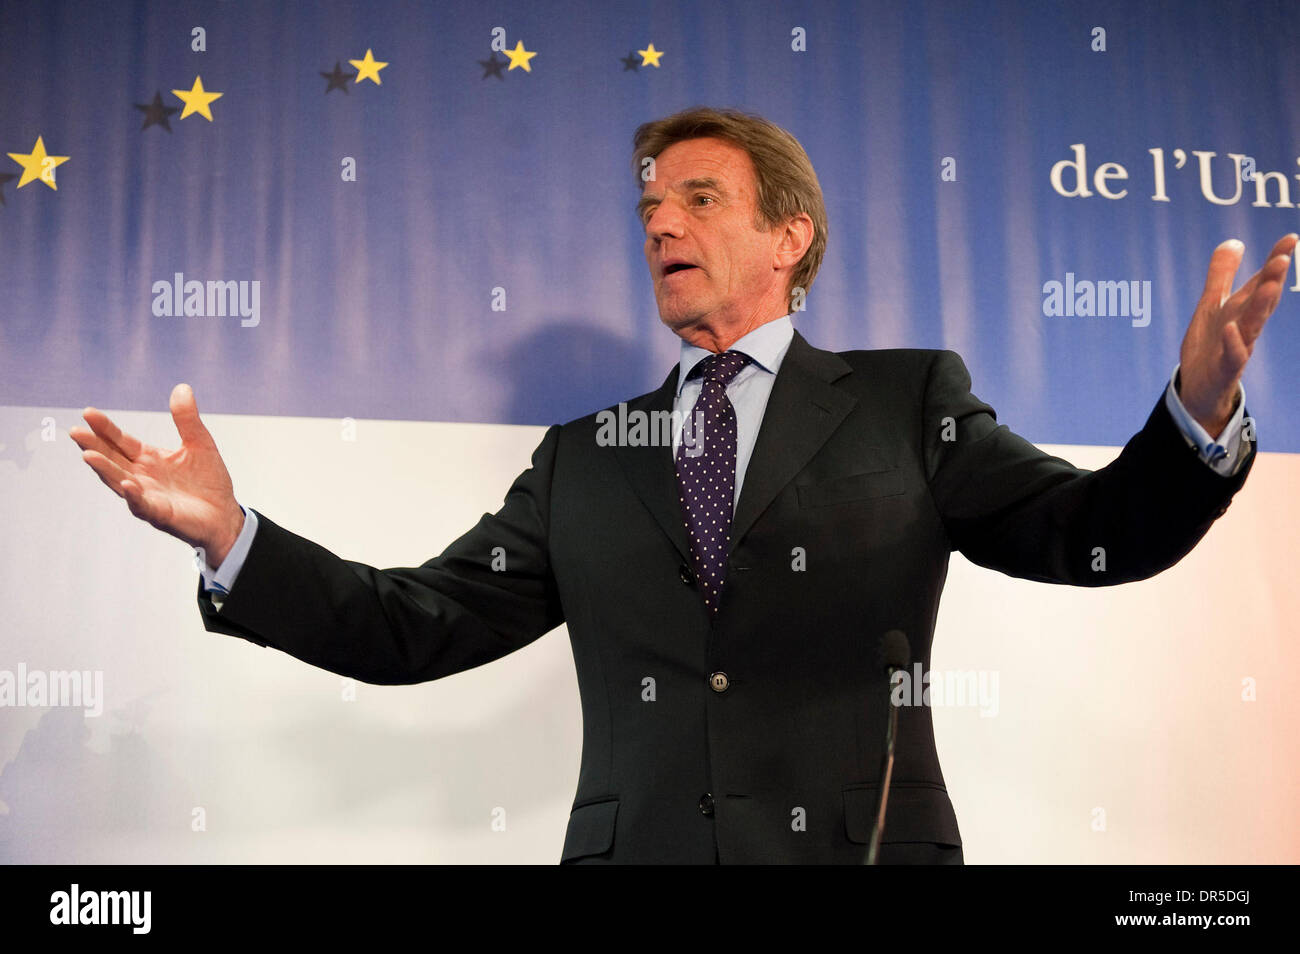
(520, 57)
(368, 68)
(37, 165)
(650, 56)
(196, 99)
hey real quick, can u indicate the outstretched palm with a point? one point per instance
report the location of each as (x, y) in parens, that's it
(185, 492)
(1224, 328)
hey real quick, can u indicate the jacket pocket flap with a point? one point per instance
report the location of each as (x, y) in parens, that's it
(916, 811)
(881, 483)
(591, 829)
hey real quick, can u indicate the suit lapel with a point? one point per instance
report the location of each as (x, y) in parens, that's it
(804, 409)
(802, 412)
(651, 471)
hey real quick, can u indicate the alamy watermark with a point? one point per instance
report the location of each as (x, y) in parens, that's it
(637, 428)
(958, 687)
(1083, 298)
(74, 688)
(75, 906)
(179, 298)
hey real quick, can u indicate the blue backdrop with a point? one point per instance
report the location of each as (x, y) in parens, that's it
(376, 295)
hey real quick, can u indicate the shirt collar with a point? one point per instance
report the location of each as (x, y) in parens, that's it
(766, 345)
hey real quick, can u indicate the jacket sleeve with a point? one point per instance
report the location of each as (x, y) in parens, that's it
(1010, 507)
(472, 604)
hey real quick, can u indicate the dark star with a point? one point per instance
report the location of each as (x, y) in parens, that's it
(630, 62)
(4, 177)
(492, 67)
(338, 79)
(155, 113)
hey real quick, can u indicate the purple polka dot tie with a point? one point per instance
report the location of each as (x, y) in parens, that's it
(706, 472)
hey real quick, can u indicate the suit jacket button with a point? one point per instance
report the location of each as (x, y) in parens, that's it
(687, 576)
(719, 682)
(706, 804)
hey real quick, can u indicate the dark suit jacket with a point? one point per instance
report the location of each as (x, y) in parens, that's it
(877, 464)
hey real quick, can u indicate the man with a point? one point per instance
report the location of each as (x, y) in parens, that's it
(748, 573)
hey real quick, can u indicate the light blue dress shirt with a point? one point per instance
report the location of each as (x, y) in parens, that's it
(748, 390)
(1225, 453)
(748, 393)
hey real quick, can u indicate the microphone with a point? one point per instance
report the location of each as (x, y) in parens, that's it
(895, 654)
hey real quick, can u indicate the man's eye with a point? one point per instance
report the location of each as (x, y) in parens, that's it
(705, 198)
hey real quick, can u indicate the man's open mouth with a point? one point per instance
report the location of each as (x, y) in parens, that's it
(676, 267)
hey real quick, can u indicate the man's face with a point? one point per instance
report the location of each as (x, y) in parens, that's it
(711, 267)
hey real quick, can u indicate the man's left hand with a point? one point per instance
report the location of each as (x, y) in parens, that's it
(1224, 329)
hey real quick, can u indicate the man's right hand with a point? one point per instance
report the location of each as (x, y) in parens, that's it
(186, 492)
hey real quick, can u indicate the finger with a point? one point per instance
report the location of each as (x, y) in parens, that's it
(1255, 313)
(1285, 245)
(90, 441)
(1273, 272)
(107, 471)
(136, 501)
(185, 414)
(1223, 268)
(1275, 266)
(1282, 247)
(1235, 351)
(128, 446)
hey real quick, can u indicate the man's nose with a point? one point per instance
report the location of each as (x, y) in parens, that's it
(666, 221)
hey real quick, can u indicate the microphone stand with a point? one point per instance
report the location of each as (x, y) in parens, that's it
(886, 774)
(895, 651)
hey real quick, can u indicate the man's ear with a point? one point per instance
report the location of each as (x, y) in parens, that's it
(795, 238)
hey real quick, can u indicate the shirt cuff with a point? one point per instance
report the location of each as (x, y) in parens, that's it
(219, 581)
(1223, 454)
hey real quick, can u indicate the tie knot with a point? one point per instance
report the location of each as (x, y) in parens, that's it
(721, 368)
